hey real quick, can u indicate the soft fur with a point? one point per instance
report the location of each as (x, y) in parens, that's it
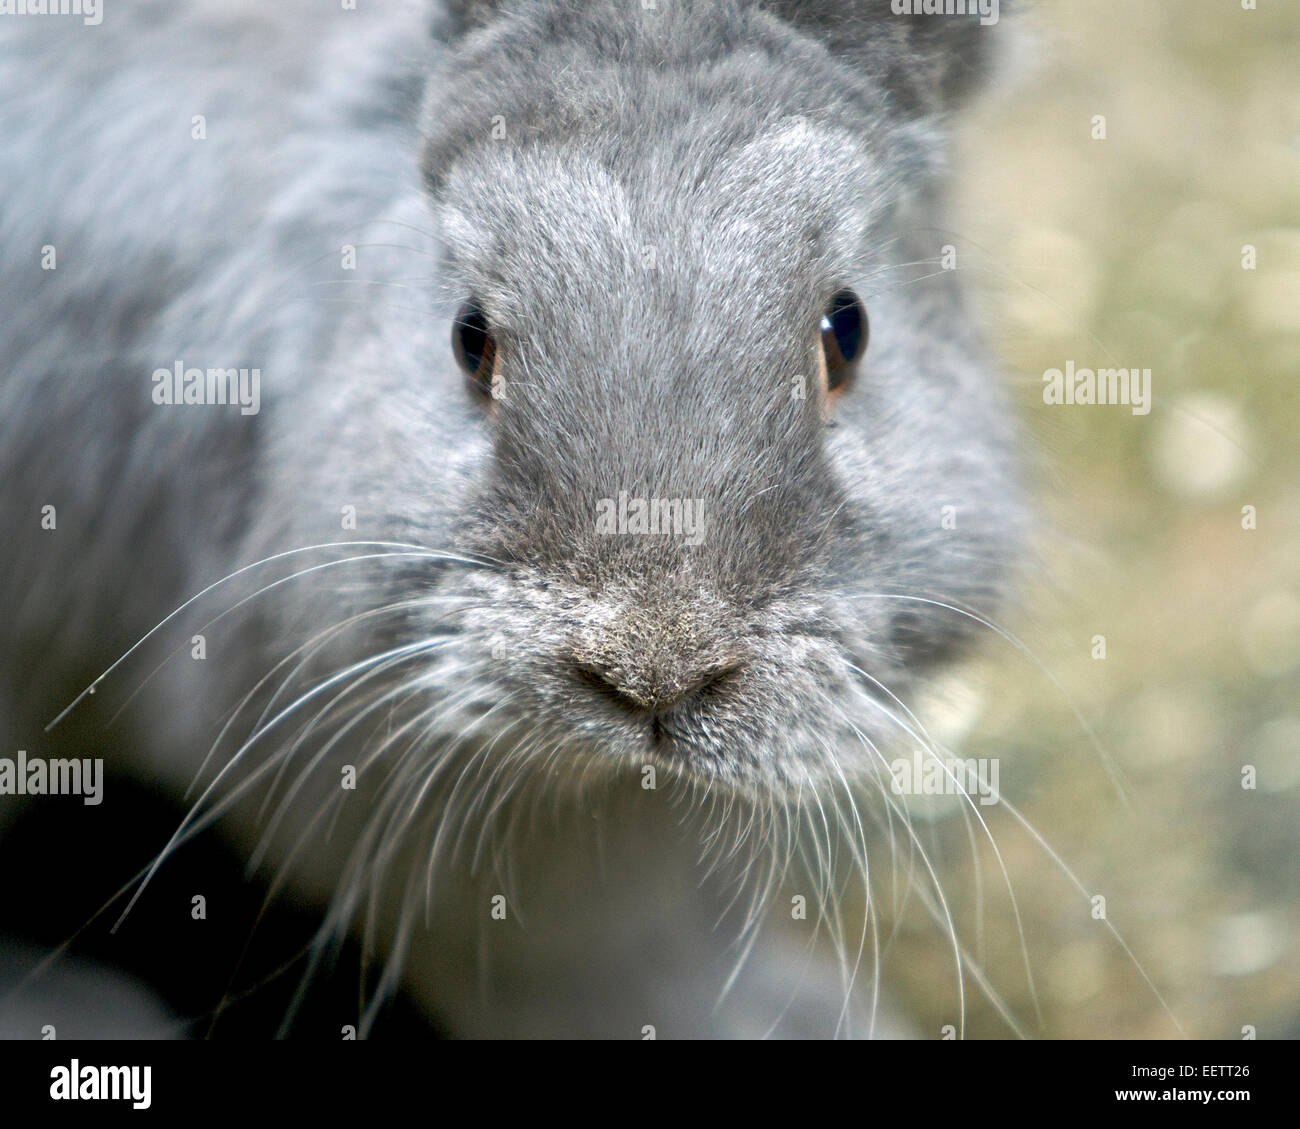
(653, 207)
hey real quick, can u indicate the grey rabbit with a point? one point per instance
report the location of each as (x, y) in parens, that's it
(616, 477)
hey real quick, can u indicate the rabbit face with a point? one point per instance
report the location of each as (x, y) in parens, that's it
(699, 555)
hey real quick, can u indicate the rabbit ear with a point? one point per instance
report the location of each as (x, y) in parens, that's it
(460, 16)
(930, 54)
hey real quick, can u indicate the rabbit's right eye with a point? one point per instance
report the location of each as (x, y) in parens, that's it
(475, 349)
(844, 331)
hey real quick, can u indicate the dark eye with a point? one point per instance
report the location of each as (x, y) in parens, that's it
(844, 337)
(472, 342)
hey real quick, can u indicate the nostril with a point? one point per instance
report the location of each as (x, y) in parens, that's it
(653, 692)
(713, 679)
(606, 682)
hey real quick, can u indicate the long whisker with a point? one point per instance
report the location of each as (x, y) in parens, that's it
(432, 554)
(931, 748)
(1106, 759)
(409, 648)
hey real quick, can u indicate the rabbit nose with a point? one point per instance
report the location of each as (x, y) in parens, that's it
(651, 688)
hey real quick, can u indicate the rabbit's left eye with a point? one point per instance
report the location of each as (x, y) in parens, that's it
(844, 337)
(474, 345)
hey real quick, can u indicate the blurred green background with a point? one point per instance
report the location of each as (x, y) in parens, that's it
(1128, 251)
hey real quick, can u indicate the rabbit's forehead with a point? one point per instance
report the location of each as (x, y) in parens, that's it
(780, 218)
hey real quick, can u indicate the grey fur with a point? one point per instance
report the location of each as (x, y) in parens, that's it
(769, 154)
